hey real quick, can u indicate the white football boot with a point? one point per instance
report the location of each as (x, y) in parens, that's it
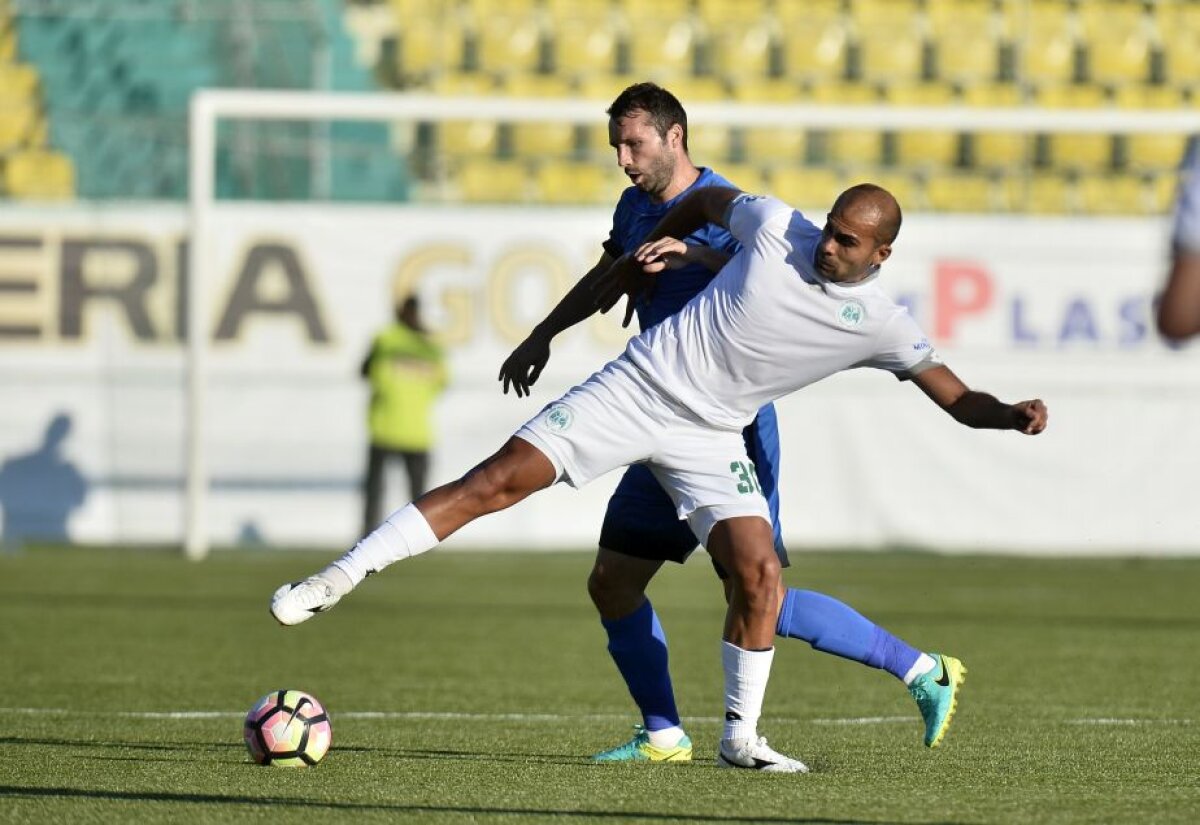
(755, 755)
(298, 602)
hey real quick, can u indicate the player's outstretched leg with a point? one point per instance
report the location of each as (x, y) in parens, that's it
(505, 478)
(936, 692)
(834, 627)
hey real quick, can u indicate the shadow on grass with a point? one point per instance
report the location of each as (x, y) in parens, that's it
(108, 743)
(367, 807)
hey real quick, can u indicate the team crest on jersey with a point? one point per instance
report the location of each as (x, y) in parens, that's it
(851, 314)
(559, 418)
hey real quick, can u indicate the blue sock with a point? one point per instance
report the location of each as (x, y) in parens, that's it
(835, 627)
(639, 647)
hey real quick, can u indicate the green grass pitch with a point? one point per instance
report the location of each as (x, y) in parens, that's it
(471, 687)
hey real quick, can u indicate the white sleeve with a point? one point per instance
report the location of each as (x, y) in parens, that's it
(1186, 234)
(748, 214)
(903, 349)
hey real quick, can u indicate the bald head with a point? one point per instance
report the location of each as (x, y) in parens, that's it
(872, 205)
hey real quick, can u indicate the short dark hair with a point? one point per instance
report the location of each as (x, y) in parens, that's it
(885, 204)
(664, 108)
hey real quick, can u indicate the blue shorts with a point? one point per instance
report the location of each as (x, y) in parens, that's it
(641, 520)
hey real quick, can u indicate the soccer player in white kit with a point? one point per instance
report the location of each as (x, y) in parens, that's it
(795, 305)
(1179, 307)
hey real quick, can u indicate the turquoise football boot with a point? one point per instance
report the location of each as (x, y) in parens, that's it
(936, 693)
(639, 749)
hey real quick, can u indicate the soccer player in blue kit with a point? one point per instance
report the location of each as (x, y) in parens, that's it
(641, 529)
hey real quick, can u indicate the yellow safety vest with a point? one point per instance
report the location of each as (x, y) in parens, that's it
(407, 373)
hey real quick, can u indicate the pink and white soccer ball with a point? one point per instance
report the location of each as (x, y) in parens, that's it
(287, 728)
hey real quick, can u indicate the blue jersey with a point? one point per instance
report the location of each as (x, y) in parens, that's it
(633, 219)
(641, 520)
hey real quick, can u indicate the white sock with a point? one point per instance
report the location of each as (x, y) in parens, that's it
(665, 738)
(746, 676)
(923, 664)
(403, 534)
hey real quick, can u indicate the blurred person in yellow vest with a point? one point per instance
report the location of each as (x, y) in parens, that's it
(407, 373)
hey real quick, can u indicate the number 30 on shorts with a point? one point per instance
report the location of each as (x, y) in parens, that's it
(747, 478)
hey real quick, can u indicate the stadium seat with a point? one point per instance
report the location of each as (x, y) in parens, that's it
(1048, 42)
(710, 144)
(468, 138)
(904, 187)
(483, 181)
(1072, 150)
(509, 43)
(889, 40)
(768, 90)
(1044, 193)
(38, 175)
(18, 83)
(584, 48)
(918, 148)
(772, 145)
(965, 36)
(561, 182)
(814, 47)
(1113, 195)
(948, 191)
(740, 49)
(812, 189)
(1162, 189)
(665, 52)
(425, 46)
(21, 126)
(1119, 36)
(1181, 47)
(748, 177)
(718, 14)
(541, 140)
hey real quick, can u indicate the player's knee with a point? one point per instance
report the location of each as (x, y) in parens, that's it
(612, 594)
(758, 577)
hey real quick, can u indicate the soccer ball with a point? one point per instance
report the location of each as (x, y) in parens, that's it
(288, 728)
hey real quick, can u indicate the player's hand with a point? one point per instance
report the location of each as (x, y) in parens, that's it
(665, 253)
(624, 277)
(1030, 417)
(524, 366)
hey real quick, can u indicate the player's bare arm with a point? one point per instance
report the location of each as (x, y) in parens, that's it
(627, 276)
(979, 409)
(1179, 308)
(524, 365)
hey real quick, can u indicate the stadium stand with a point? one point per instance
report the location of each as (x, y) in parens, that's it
(108, 93)
(116, 78)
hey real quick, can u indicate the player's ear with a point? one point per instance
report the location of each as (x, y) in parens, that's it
(675, 135)
(882, 253)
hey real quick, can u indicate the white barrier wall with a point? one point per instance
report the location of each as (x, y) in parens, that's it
(91, 424)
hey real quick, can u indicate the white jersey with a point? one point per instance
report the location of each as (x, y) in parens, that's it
(769, 324)
(1187, 210)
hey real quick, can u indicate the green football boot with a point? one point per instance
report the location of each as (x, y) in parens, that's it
(936, 693)
(639, 749)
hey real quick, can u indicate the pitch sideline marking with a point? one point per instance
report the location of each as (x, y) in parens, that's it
(526, 717)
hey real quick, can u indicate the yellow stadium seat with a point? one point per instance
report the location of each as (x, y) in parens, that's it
(812, 189)
(468, 138)
(482, 9)
(571, 183)
(808, 14)
(482, 181)
(745, 176)
(960, 192)
(426, 45)
(890, 52)
(1048, 41)
(639, 12)
(665, 52)
(1154, 152)
(992, 94)
(1116, 56)
(604, 88)
(539, 86)
(699, 89)
(509, 44)
(717, 14)
(921, 148)
(816, 50)
(18, 83)
(8, 41)
(39, 175)
(773, 145)
(1162, 191)
(1074, 150)
(742, 49)
(406, 10)
(1047, 194)
(709, 145)
(588, 13)
(767, 90)
(21, 126)
(966, 56)
(1181, 46)
(904, 93)
(468, 84)
(1113, 195)
(584, 47)
(1000, 150)
(543, 140)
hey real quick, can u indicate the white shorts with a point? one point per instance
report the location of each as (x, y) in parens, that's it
(616, 418)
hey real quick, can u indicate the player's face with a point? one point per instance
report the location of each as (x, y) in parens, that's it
(848, 251)
(646, 156)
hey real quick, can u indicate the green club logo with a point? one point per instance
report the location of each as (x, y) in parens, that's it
(559, 418)
(851, 314)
